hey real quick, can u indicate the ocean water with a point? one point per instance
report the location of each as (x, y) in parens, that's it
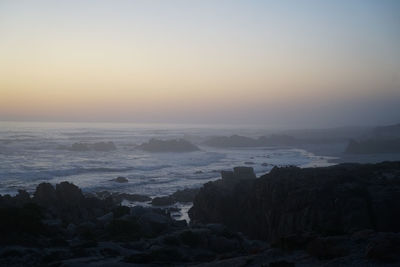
(30, 154)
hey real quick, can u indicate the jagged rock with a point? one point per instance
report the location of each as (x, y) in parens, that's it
(68, 193)
(333, 200)
(180, 145)
(238, 173)
(45, 194)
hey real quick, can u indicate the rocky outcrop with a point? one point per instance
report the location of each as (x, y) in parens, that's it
(333, 200)
(33, 233)
(238, 173)
(51, 229)
(179, 145)
(67, 202)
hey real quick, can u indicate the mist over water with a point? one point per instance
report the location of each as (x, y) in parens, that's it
(31, 153)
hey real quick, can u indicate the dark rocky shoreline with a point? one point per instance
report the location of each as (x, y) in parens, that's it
(335, 216)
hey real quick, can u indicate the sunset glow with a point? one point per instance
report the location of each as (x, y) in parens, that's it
(163, 61)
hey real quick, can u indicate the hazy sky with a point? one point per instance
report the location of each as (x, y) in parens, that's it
(268, 62)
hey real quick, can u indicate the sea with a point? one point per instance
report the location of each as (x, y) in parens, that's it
(30, 154)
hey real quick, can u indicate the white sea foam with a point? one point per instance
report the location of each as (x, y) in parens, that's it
(30, 154)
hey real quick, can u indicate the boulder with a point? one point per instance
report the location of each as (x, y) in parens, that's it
(45, 194)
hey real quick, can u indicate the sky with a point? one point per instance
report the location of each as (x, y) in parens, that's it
(299, 63)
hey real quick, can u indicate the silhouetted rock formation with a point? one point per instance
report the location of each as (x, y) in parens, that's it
(60, 226)
(238, 173)
(67, 202)
(373, 146)
(333, 200)
(180, 145)
(56, 227)
(99, 146)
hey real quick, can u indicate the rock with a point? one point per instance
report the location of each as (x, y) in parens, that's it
(227, 175)
(327, 248)
(221, 244)
(68, 193)
(22, 198)
(106, 218)
(120, 179)
(154, 223)
(232, 141)
(180, 145)
(99, 146)
(125, 230)
(138, 211)
(244, 173)
(71, 229)
(265, 164)
(249, 163)
(186, 195)
(160, 255)
(163, 201)
(340, 199)
(45, 194)
(294, 242)
(119, 197)
(238, 173)
(120, 211)
(384, 247)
